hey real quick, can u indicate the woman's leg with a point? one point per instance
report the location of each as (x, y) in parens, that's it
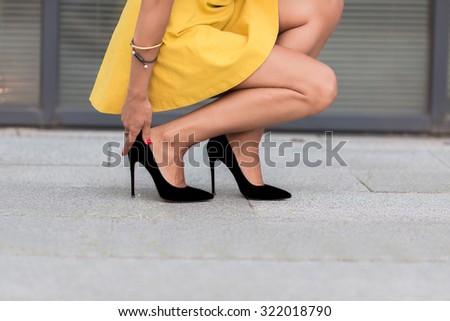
(305, 26)
(289, 85)
(246, 149)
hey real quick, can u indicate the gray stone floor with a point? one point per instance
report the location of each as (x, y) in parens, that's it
(376, 229)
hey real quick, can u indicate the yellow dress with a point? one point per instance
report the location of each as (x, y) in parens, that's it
(210, 46)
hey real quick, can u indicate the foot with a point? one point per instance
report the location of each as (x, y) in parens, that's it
(247, 156)
(169, 157)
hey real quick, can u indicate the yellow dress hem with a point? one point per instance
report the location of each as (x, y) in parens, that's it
(108, 95)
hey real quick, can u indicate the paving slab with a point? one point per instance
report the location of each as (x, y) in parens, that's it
(177, 280)
(362, 208)
(394, 160)
(59, 149)
(167, 232)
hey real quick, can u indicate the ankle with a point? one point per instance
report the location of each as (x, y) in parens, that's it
(177, 139)
(167, 148)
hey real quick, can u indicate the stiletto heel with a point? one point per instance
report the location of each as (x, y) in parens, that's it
(219, 149)
(132, 166)
(140, 152)
(213, 182)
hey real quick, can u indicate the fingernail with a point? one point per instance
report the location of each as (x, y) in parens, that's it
(123, 153)
(149, 141)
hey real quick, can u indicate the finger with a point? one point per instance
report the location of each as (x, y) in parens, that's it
(130, 138)
(146, 133)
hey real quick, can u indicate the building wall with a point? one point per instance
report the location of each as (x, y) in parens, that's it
(388, 55)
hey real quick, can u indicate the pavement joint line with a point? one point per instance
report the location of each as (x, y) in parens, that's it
(398, 192)
(438, 159)
(49, 165)
(248, 218)
(410, 193)
(364, 184)
(252, 207)
(227, 259)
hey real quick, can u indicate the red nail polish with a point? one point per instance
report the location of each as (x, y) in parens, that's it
(149, 141)
(123, 153)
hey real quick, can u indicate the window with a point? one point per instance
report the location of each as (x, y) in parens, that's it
(20, 43)
(380, 52)
(448, 72)
(86, 27)
(381, 55)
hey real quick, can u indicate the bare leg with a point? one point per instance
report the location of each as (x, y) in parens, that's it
(247, 151)
(290, 85)
(305, 26)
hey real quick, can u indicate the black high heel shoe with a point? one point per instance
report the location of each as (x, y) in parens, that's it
(219, 149)
(140, 152)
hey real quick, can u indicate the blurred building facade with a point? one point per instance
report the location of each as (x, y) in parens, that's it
(391, 58)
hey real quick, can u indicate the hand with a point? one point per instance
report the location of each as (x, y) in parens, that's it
(136, 116)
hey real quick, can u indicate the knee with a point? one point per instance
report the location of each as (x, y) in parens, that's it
(323, 90)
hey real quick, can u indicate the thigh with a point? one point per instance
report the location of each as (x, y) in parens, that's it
(286, 68)
(296, 13)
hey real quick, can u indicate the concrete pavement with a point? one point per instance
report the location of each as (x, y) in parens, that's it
(377, 229)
